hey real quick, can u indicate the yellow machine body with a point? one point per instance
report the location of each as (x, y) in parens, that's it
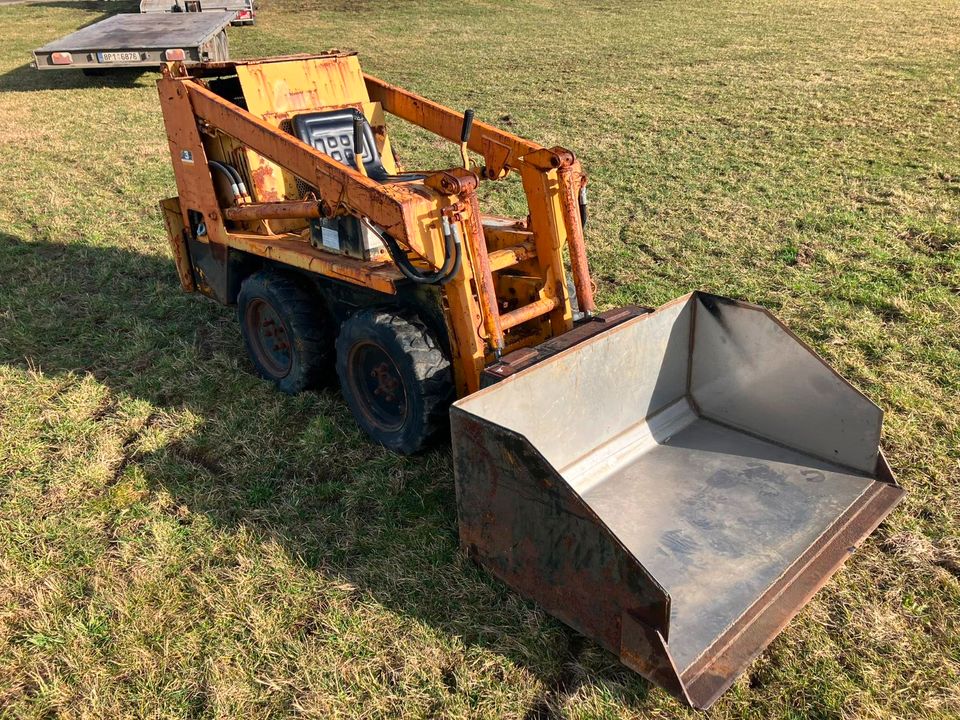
(511, 294)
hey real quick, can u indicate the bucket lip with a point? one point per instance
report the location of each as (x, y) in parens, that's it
(708, 677)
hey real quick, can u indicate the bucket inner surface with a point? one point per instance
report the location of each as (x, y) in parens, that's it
(717, 516)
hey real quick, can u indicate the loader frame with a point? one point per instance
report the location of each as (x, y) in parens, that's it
(513, 293)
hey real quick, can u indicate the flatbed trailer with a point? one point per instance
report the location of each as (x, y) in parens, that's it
(130, 40)
(245, 12)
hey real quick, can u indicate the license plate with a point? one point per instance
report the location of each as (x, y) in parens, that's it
(109, 57)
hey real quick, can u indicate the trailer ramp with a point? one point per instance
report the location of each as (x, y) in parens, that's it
(676, 488)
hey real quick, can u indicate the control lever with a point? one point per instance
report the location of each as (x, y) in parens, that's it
(465, 137)
(358, 143)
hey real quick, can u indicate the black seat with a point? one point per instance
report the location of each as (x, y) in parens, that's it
(331, 132)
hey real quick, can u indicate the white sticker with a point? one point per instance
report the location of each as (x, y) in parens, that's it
(186, 156)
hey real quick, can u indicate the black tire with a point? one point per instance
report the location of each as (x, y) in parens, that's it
(285, 330)
(395, 378)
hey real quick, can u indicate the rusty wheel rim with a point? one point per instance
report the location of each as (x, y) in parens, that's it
(269, 337)
(376, 382)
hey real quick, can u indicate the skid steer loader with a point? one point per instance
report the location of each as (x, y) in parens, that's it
(673, 483)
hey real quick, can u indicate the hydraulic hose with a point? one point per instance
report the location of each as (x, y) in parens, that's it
(453, 256)
(238, 178)
(224, 170)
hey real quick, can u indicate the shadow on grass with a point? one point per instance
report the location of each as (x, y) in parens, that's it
(27, 78)
(291, 468)
(104, 7)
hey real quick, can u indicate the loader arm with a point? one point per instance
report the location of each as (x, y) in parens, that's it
(553, 199)
(396, 208)
(501, 150)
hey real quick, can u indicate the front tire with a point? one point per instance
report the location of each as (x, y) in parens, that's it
(285, 331)
(395, 378)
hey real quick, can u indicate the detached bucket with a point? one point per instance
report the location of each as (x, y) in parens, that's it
(676, 488)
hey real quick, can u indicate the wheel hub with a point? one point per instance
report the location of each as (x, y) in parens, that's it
(379, 386)
(270, 339)
(387, 382)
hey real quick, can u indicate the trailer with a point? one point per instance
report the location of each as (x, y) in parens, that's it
(245, 13)
(131, 40)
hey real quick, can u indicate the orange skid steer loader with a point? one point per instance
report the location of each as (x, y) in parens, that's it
(673, 483)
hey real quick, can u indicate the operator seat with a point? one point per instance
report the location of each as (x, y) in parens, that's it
(331, 132)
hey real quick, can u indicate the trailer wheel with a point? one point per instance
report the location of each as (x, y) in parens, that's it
(286, 333)
(395, 378)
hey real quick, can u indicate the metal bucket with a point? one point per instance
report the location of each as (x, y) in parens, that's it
(676, 488)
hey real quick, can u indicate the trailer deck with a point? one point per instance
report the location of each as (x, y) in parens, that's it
(139, 40)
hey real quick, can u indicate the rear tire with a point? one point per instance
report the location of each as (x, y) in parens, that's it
(285, 330)
(395, 378)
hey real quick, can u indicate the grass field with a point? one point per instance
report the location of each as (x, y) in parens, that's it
(178, 540)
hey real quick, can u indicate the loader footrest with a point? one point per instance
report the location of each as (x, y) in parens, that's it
(521, 359)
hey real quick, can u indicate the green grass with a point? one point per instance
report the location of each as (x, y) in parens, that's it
(178, 540)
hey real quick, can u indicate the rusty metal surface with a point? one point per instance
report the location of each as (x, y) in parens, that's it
(306, 209)
(213, 69)
(571, 178)
(273, 89)
(522, 522)
(542, 188)
(455, 181)
(510, 256)
(527, 312)
(295, 251)
(644, 650)
(521, 259)
(486, 291)
(410, 217)
(173, 220)
(504, 232)
(736, 528)
(189, 158)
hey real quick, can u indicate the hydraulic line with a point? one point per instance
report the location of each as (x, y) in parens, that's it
(453, 256)
(222, 169)
(241, 185)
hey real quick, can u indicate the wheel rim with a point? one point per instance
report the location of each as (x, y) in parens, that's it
(376, 382)
(269, 337)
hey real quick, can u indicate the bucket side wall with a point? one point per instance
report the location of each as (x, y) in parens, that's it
(570, 405)
(751, 373)
(522, 522)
